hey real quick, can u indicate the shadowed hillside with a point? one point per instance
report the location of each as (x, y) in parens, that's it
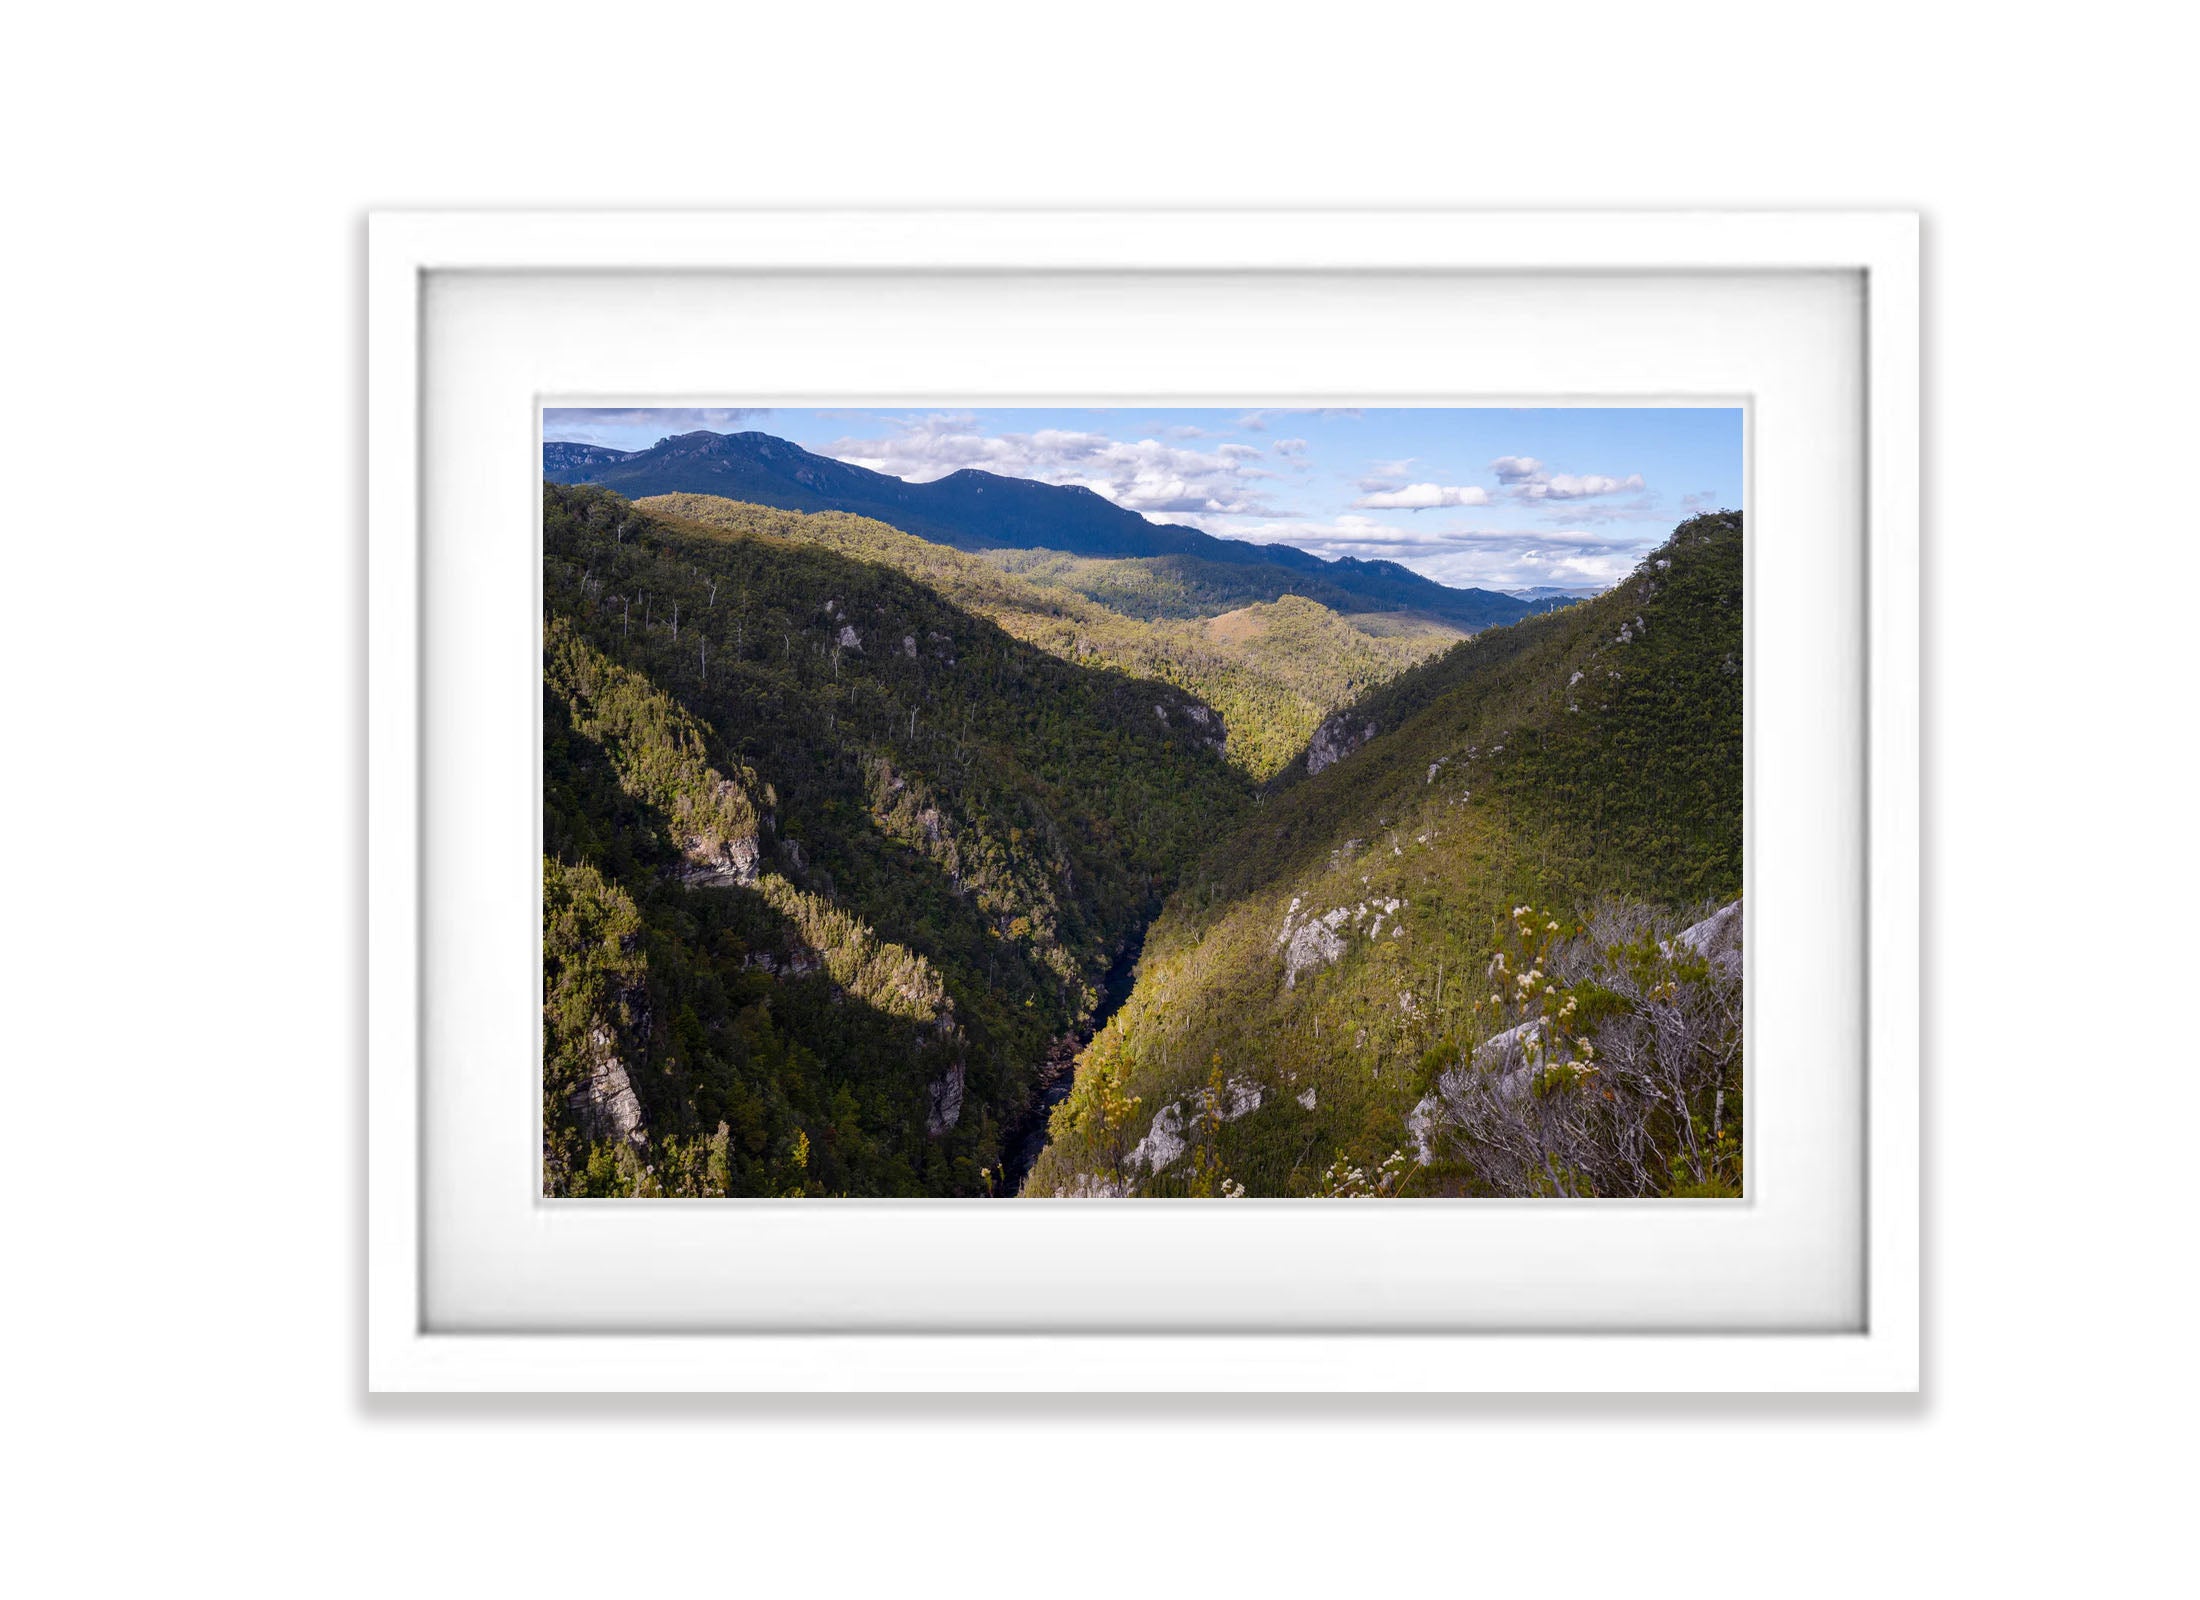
(830, 862)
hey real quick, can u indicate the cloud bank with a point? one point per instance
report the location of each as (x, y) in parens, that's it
(1150, 476)
(1475, 558)
(1524, 478)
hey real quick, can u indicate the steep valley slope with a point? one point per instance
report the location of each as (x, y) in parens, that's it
(830, 862)
(1395, 975)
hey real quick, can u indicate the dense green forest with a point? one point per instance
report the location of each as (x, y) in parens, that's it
(1474, 955)
(1178, 586)
(830, 862)
(1272, 664)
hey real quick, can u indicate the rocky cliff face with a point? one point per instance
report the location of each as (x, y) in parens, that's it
(719, 864)
(1334, 740)
(605, 1104)
(944, 1101)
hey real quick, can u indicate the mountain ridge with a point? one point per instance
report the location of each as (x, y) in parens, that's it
(1021, 514)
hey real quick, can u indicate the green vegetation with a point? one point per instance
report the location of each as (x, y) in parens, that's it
(1273, 668)
(829, 860)
(844, 831)
(1317, 1007)
(1155, 588)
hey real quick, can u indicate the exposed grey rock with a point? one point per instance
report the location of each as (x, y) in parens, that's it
(1167, 1138)
(605, 1105)
(1313, 943)
(1085, 1186)
(1421, 1129)
(946, 1097)
(849, 639)
(731, 864)
(1718, 938)
(1333, 741)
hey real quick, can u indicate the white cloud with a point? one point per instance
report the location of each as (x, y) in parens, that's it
(1161, 480)
(1565, 487)
(1478, 558)
(1422, 497)
(1525, 479)
(1257, 421)
(1290, 447)
(617, 425)
(1383, 476)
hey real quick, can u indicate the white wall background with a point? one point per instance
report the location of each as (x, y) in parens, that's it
(182, 559)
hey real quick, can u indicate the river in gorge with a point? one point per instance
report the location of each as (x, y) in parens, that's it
(1027, 1136)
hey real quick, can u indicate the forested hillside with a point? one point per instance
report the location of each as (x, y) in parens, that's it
(1180, 586)
(1272, 670)
(830, 862)
(1469, 947)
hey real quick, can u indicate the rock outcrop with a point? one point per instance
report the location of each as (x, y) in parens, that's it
(605, 1104)
(1311, 944)
(723, 864)
(944, 1101)
(1718, 938)
(1169, 1136)
(1333, 741)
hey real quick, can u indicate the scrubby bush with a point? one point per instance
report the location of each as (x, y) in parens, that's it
(1610, 1061)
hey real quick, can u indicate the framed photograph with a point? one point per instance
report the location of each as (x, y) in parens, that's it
(1143, 801)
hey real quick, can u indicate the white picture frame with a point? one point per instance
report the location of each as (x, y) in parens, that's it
(408, 1351)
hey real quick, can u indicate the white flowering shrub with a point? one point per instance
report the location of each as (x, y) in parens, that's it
(1344, 1181)
(1608, 1061)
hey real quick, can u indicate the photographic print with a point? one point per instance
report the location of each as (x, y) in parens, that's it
(1143, 802)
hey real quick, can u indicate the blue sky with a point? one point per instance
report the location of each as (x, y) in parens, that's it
(1506, 499)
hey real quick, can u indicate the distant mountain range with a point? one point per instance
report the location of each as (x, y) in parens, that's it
(973, 510)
